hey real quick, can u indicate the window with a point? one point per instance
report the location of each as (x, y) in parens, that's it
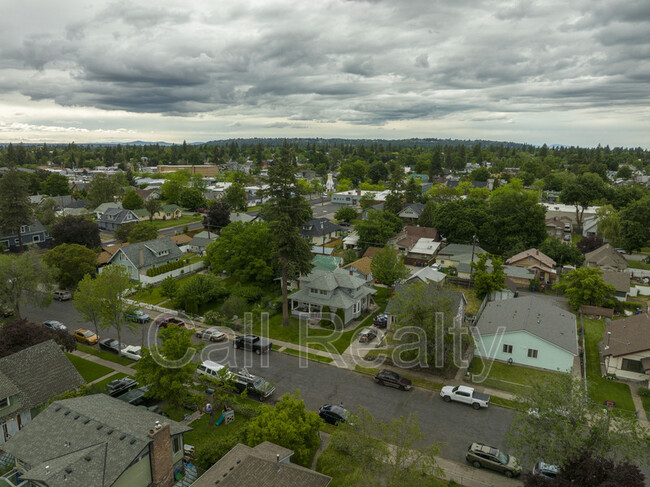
(4, 402)
(176, 444)
(632, 366)
(532, 353)
(24, 229)
(507, 348)
(37, 238)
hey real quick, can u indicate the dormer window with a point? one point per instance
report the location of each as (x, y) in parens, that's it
(163, 252)
(4, 402)
(24, 229)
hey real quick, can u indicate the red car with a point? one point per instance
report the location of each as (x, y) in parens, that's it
(164, 321)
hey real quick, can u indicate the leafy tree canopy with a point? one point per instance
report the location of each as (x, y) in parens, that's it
(56, 185)
(586, 286)
(71, 262)
(132, 201)
(486, 281)
(142, 232)
(563, 253)
(19, 334)
(76, 230)
(388, 266)
(346, 214)
(378, 228)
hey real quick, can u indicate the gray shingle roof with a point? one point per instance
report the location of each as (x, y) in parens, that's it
(244, 466)
(533, 315)
(116, 215)
(317, 227)
(337, 282)
(38, 373)
(203, 238)
(150, 250)
(605, 256)
(105, 206)
(457, 250)
(87, 441)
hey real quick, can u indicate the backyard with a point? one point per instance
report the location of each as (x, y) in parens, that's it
(184, 220)
(601, 389)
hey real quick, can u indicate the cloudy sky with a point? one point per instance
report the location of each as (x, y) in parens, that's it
(557, 72)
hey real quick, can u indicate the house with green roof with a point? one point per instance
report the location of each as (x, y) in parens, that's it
(168, 212)
(137, 258)
(30, 378)
(326, 262)
(339, 289)
(98, 441)
(142, 214)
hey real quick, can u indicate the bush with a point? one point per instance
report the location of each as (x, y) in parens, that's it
(341, 315)
(191, 305)
(234, 306)
(644, 392)
(208, 455)
(213, 318)
(171, 266)
(250, 293)
(325, 316)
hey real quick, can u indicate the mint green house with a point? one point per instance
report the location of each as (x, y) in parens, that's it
(528, 331)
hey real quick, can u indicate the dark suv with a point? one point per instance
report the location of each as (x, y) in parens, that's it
(245, 381)
(120, 386)
(252, 342)
(480, 455)
(389, 378)
(333, 414)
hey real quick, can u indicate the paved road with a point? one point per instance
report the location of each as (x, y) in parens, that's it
(455, 425)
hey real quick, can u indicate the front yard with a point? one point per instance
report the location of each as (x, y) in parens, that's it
(111, 357)
(515, 379)
(90, 371)
(601, 389)
(184, 220)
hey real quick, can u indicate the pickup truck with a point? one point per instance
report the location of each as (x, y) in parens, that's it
(252, 342)
(465, 394)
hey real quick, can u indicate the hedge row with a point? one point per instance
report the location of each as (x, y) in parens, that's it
(167, 268)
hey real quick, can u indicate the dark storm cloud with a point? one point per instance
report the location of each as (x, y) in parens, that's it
(363, 62)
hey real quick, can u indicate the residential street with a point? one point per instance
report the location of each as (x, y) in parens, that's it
(454, 425)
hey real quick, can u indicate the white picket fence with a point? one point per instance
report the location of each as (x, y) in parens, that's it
(144, 279)
(639, 291)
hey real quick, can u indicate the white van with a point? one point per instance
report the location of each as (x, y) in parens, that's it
(209, 368)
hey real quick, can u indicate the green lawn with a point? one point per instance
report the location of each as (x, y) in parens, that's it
(601, 389)
(512, 373)
(646, 405)
(111, 357)
(635, 264)
(176, 414)
(184, 220)
(149, 296)
(473, 301)
(90, 371)
(313, 356)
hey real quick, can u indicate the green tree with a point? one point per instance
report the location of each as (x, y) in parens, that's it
(586, 286)
(286, 211)
(70, 263)
(200, 289)
(428, 214)
(367, 452)
(346, 214)
(366, 201)
(142, 232)
(103, 189)
(152, 205)
(609, 224)
(76, 230)
(235, 196)
(217, 217)
(582, 192)
(480, 174)
(46, 212)
(15, 207)
(24, 279)
(192, 199)
(288, 424)
(624, 172)
(562, 253)
(459, 221)
(377, 229)
(485, 282)
(112, 284)
(559, 421)
(169, 287)
(441, 193)
(412, 191)
(169, 369)
(243, 249)
(132, 201)
(171, 191)
(388, 267)
(349, 255)
(55, 185)
(122, 233)
(377, 172)
(88, 302)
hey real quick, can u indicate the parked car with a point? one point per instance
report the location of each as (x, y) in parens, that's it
(466, 395)
(253, 342)
(367, 335)
(54, 325)
(6, 311)
(333, 414)
(135, 396)
(545, 470)
(483, 456)
(164, 321)
(110, 345)
(120, 386)
(211, 369)
(132, 352)
(137, 316)
(62, 295)
(245, 381)
(393, 379)
(212, 334)
(86, 336)
(381, 321)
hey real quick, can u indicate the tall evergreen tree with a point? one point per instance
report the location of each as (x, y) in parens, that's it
(15, 208)
(286, 211)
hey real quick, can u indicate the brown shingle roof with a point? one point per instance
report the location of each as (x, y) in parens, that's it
(362, 265)
(620, 280)
(629, 335)
(535, 254)
(371, 251)
(411, 234)
(108, 252)
(181, 239)
(605, 256)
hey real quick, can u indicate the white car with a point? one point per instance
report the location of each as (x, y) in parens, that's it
(132, 352)
(213, 334)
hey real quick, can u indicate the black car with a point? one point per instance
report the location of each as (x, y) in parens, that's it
(389, 378)
(110, 344)
(252, 342)
(120, 386)
(333, 414)
(244, 381)
(380, 321)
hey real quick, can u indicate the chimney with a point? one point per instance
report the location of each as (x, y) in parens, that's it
(160, 453)
(277, 461)
(141, 256)
(351, 272)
